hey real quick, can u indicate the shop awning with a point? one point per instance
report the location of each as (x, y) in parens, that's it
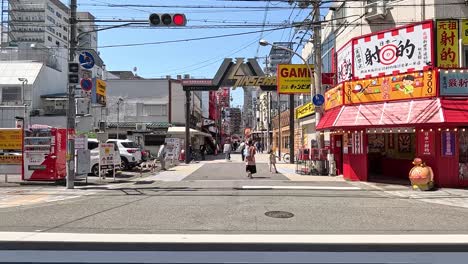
(181, 130)
(399, 113)
(328, 119)
(455, 111)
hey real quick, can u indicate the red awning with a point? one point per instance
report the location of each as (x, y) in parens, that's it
(328, 119)
(400, 113)
(455, 111)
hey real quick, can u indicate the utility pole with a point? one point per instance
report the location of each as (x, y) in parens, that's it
(317, 73)
(279, 125)
(187, 126)
(71, 101)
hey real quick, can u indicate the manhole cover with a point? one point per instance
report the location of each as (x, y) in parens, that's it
(279, 214)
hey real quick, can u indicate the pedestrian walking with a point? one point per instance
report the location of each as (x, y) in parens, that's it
(227, 150)
(250, 166)
(202, 151)
(162, 156)
(272, 160)
(242, 147)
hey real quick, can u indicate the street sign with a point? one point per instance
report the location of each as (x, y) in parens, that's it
(86, 60)
(106, 154)
(293, 79)
(318, 100)
(86, 84)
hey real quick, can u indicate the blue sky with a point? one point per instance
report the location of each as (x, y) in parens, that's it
(198, 58)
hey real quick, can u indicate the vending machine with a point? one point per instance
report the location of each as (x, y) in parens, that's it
(44, 154)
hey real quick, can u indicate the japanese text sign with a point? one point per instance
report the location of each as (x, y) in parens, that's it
(426, 143)
(453, 83)
(106, 154)
(11, 159)
(404, 49)
(99, 92)
(464, 31)
(11, 139)
(293, 78)
(334, 97)
(344, 63)
(305, 110)
(447, 43)
(448, 143)
(388, 88)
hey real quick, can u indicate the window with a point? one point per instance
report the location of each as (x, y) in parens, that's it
(65, 37)
(11, 94)
(59, 34)
(49, 38)
(129, 144)
(50, 8)
(58, 15)
(65, 28)
(51, 29)
(154, 110)
(57, 43)
(92, 145)
(65, 19)
(51, 19)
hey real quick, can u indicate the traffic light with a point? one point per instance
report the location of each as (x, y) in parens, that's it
(73, 69)
(167, 20)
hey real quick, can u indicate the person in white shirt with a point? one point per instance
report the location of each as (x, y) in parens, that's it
(162, 156)
(227, 150)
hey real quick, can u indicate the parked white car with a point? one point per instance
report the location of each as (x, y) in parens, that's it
(130, 153)
(93, 146)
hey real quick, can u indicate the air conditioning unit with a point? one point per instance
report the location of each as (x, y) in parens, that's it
(376, 10)
(140, 127)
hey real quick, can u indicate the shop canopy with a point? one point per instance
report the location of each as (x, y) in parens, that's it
(181, 131)
(398, 113)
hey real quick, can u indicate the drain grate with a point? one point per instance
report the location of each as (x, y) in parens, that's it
(144, 182)
(279, 214)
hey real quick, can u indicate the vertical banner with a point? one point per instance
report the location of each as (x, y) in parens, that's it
(464, 31)
(426, 143)
(344, 63)
(357, 143)
(447, 43)
(448, 143)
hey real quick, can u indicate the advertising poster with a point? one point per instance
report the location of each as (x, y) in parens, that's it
(172, 148)
(106, 154)
(334, 97)
(293, 79)
(344, 58)
(464, 31)
(305, 110)
(453, 82)
(397, 50)
(447, 43)
(388, 88)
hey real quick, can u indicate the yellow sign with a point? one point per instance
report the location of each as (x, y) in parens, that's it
(464, 31)
(11, 159)
(334, 97)
(293, 79)
(389, 88)
(447, 43)
(11, 139)
(101, 87)
(305, 110)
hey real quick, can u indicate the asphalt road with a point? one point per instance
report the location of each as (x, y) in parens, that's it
(211, 200)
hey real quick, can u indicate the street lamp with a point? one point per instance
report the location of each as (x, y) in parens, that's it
(120, 101)
(264, 42)
(24, 81)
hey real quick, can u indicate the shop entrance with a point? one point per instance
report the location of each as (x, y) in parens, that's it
(390, 156)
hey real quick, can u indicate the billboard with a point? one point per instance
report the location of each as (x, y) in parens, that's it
(334, 97)
(453, 82)
(344, 58)
(447, 43)
(464, 31)
(305, 110)
(389, 88)
(293, 79)
(394, 51)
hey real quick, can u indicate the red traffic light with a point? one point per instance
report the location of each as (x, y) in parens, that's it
(179, 19)
(167, 20)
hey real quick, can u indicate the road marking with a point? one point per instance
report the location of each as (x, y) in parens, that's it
(298, 188)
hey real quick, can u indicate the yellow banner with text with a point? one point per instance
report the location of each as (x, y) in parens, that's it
(293, 78)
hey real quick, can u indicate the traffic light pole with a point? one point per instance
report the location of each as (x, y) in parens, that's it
(71, 102)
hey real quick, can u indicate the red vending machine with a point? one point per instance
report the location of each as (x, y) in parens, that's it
(44, 154)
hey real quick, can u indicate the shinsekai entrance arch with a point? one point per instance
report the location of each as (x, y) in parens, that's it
(239, 73)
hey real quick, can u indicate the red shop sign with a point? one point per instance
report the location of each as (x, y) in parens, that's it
(426, 143)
